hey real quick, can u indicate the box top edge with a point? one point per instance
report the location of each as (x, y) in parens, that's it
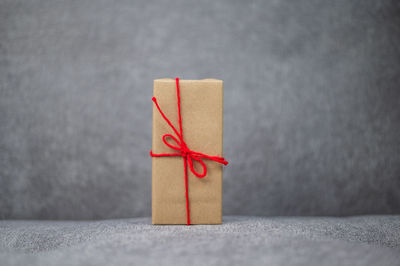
(186, 80)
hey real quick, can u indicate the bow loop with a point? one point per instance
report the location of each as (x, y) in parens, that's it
(165, 139)
(190, 159)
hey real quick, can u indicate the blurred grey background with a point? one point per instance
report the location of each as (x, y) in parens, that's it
(312, 103)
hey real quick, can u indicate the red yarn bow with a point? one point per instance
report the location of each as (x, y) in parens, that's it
(187, 154)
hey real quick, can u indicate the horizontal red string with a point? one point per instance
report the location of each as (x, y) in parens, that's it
(189, 156)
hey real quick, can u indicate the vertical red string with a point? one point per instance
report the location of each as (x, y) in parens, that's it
(186, 191)
(184, 158)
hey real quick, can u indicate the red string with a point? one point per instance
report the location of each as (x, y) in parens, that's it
(187, 154)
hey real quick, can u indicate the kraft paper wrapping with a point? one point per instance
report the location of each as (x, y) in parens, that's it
(202, 124)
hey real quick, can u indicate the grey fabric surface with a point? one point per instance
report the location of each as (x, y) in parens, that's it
(312, 103)
(363, 240)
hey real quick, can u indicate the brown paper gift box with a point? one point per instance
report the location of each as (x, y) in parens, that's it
(202, 125)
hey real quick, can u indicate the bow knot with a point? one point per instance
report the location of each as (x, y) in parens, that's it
(191, 156)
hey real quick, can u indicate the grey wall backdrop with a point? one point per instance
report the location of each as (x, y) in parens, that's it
(312, 103)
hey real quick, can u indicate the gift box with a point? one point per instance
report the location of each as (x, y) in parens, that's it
(187, 151)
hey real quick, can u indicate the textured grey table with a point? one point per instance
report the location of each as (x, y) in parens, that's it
(360, 240)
